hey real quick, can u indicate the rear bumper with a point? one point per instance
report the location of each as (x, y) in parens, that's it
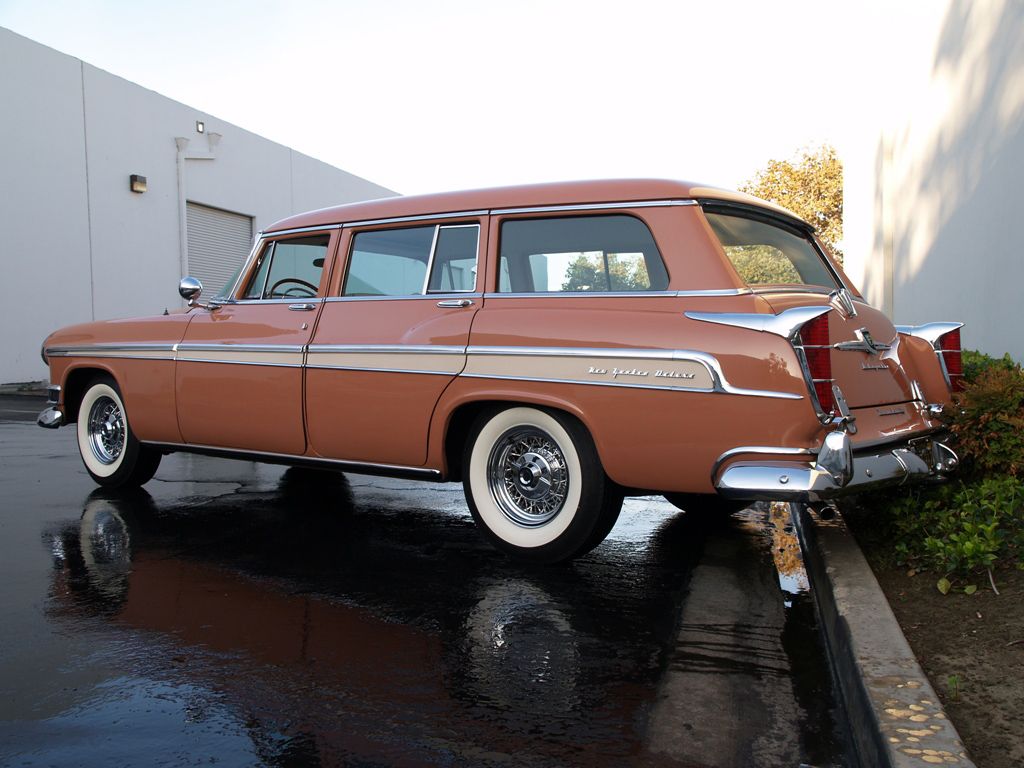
(835, 471)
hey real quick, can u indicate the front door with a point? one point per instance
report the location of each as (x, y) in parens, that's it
(239, 371)
(390, 339)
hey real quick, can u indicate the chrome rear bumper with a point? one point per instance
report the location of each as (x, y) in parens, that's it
(835, 471)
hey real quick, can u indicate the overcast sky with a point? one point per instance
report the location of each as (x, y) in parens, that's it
(427, 96)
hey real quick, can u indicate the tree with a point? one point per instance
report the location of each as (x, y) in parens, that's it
(811, 186)
(626, 272)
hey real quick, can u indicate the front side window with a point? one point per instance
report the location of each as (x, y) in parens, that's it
(579, 254)
(770, 254)
(394, 262)
(289, 269)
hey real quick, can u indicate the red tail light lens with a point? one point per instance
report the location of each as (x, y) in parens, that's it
(814, 338)
(952, 356)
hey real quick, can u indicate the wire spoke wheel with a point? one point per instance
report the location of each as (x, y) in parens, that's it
(527, 476)
(106, 430)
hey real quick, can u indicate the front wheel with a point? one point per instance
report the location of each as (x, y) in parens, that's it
(535, 485)
(112, 455)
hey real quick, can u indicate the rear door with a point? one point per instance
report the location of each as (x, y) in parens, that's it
(392, 336)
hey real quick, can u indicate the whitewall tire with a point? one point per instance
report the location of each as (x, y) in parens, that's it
(535, 484)
(110, 451)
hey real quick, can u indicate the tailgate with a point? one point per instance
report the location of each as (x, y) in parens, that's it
(865, 350)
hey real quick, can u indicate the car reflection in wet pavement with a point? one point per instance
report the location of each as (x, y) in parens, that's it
(246, 614)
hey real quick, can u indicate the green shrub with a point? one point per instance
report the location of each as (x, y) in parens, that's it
(975, 362)
(975, 521)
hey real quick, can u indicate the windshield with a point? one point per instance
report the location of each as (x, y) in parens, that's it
(770, 254)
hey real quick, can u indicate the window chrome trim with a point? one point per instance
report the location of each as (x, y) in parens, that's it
(485, 212)
(357, 467)
(708, 293)
(418, 217)
(292, 300)
(410, 297)
(593, 206)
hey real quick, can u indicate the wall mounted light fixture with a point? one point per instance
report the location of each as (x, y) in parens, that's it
(200, 126)
(137, 183)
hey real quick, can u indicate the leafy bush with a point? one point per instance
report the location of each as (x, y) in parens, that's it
(975, 362)
(975, 521)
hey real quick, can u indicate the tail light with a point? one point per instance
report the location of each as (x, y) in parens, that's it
(950, 351)
(813, 339)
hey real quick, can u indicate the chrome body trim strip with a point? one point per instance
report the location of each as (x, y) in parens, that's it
(98, 350)
(366, 369)
(714, 369)
(376, 349)
(271, 348)
(784, 324)
(592, 206)
(238, 362)
(357, 467)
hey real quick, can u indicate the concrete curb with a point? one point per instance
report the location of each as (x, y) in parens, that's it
(895, 717)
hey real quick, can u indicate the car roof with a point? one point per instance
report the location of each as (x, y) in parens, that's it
(525, 196)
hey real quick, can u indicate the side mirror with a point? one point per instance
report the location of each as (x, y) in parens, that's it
(190, 288)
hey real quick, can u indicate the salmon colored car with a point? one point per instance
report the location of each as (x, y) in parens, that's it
(554, 347)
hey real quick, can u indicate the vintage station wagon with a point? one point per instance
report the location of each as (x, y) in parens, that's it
(554, 347)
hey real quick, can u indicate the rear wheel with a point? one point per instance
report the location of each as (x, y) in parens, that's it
(535, 485)
(112, 455)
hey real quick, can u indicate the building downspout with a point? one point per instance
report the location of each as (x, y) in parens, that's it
(182, 144)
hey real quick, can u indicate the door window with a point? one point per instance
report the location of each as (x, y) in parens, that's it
(289, 269)
(395, 262)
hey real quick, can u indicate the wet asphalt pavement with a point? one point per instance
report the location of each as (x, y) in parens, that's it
(239, 614)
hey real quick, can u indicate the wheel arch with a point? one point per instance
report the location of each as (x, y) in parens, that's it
(458, 419)
(76, 381)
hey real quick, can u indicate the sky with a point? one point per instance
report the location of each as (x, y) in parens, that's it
(432, 96)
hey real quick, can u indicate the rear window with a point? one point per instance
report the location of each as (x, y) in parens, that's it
(591, 254)
(770, 254)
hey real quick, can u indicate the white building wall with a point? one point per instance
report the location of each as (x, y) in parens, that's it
(934, 198)
(78, 245)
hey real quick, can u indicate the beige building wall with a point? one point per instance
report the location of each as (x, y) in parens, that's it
(78, 245)
(934, 198)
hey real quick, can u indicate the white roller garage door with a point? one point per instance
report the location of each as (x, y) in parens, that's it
(218, 242)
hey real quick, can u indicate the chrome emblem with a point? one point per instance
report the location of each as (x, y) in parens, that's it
(864, 343)
(879, 367)
(892, 412)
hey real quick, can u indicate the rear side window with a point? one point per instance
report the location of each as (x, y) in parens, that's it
(770, 254)
(395, 262)
(592, 254)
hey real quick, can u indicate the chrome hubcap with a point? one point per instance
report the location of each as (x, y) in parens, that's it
(527, 476)
(106, 430)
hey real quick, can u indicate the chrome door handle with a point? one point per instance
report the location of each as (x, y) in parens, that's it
(302, 307)
(454, 303)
